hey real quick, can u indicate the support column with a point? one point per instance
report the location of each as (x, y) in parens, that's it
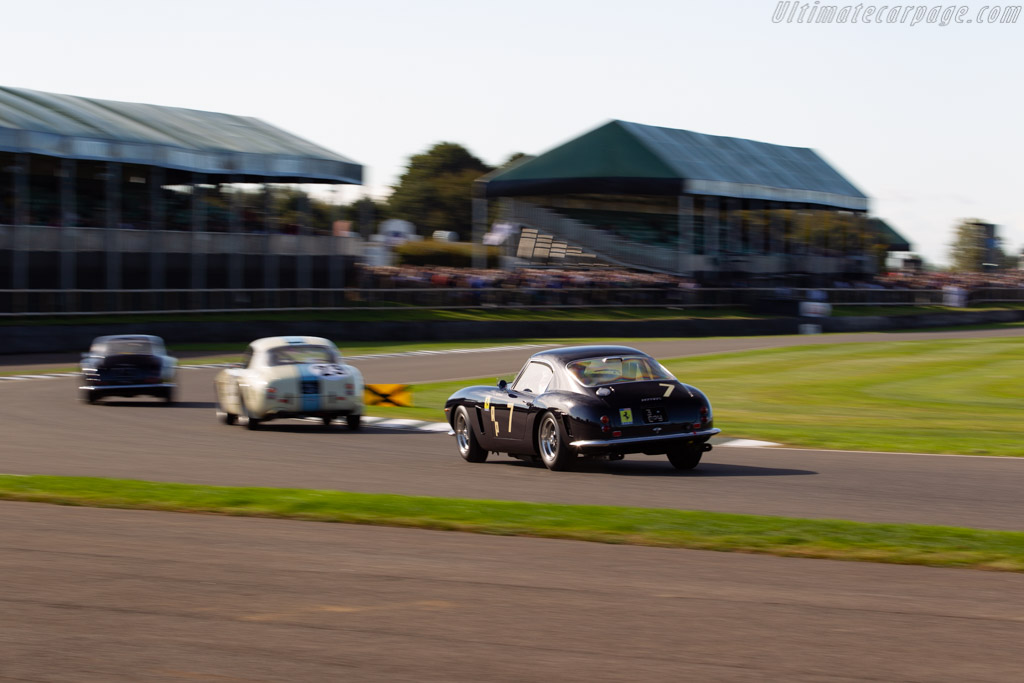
(303, 260)
(198, 207)
(712, 248)
(236, 259)
(685, 226)
(20, 253)
(336, 261)
(68, 245)
(200, 241)
(113, 223)
(477, 235)
(157, 255)
(21, 190)
(270, 260)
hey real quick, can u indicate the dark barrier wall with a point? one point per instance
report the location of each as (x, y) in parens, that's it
(62, 338)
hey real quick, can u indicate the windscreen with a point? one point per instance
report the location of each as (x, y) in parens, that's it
(592, 372)
(299, 354)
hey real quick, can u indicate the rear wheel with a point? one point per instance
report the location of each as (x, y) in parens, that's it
(469, 448)
(327, 420)
(686, 457)
(250, 421)
(88, 396)
(168, 395)
(227, 418)
(554, 451)
(353, 422)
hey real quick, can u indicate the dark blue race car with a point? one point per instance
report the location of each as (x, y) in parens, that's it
(127, 365)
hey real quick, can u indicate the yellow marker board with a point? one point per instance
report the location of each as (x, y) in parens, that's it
(388, 395)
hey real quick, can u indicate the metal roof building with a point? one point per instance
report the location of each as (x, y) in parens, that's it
(183, 140)
(631, 158)
(675, 201)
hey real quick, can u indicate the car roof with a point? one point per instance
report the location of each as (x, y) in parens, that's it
(273, 342)
(127, 337)
(567, 354)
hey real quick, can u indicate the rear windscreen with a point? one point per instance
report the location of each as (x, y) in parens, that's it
(592, 372)
(135, 346)
(295, 355)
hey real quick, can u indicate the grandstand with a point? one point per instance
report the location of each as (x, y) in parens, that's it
(674, 201)
(95, 193)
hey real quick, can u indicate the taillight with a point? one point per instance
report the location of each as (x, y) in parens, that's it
(605, 423)
(271, 391)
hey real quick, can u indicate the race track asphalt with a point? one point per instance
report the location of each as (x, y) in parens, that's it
(95, 595)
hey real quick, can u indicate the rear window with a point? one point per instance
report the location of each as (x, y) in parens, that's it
(592, 372)
(299, 354)
(135, 346)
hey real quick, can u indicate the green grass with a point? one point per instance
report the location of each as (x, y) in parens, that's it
(936, 546)
(942, 396)
(959, 396)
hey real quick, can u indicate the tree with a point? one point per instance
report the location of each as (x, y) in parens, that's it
(435, 191)
(973, 246)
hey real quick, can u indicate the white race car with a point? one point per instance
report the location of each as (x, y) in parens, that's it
(289, 377)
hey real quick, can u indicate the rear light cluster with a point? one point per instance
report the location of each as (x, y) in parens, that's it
(606, 423)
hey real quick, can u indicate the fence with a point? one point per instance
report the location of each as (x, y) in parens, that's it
(49, 302)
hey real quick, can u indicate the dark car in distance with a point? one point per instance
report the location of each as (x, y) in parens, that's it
(128, 365)
(590, 402)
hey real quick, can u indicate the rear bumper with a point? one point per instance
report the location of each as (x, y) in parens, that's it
(639, 443)
(127, 389)
(298, 414)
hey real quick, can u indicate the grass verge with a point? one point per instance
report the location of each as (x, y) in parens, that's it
(935, 546)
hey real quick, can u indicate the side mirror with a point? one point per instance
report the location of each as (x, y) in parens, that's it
(502, 384)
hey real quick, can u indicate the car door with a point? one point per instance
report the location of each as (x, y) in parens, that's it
(522, 394)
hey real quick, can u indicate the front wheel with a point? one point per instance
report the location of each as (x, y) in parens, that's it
(686, 457)
(353, 422)
(554, 451)
(469, 447)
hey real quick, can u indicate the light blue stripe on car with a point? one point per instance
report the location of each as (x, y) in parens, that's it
(309, 401)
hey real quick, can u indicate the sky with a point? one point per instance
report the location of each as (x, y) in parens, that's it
(923, 118)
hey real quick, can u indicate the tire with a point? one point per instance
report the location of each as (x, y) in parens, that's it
(327, 420)
(250, 421)
(465, 439)
(686, 457)
(88, 397)
(168, 395)
(555, 453)
(227, 418)
(353, 422)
